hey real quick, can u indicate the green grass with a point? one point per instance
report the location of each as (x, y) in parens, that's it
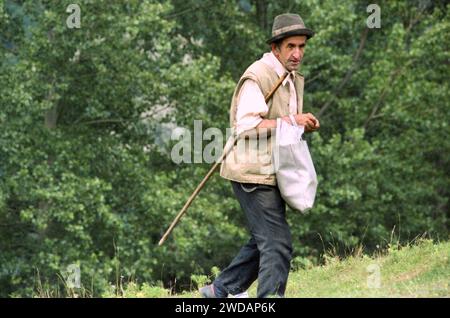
(419, 270)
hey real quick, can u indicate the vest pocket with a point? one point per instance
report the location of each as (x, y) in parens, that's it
(249, 187)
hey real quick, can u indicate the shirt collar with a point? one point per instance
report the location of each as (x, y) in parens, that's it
(271, 60)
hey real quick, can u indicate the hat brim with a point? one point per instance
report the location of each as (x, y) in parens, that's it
(309, 34)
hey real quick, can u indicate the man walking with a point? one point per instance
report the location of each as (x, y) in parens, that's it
(267, 255)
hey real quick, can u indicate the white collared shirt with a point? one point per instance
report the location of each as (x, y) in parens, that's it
(251, 103)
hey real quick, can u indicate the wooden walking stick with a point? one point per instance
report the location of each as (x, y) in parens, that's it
(211, 171)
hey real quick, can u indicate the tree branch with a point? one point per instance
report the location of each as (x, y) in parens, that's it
(103, 121)
(375, 108)
(349, 74)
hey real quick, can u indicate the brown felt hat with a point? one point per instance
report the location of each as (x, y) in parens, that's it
(288, 24)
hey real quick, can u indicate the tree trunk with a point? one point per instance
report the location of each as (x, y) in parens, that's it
(261, 14)
(51, 117)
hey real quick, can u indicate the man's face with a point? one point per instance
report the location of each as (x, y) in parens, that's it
(291, 50)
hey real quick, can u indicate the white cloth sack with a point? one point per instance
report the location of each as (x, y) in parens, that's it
(296, 176)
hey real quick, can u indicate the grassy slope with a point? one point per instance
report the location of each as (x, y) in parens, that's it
(421, 270)
(415, 271)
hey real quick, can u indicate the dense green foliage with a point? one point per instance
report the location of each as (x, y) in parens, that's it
(86, 176)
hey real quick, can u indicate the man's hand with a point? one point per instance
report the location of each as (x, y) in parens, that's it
(308, 120)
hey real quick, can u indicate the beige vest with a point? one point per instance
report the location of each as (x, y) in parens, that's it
(250, 160)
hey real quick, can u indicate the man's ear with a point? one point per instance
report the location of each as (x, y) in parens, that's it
(274, 49)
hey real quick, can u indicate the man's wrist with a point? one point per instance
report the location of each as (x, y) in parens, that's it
(287, 119)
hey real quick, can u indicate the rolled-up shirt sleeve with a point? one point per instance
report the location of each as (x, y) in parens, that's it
(251, 106)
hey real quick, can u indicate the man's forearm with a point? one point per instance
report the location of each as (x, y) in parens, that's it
(266, 125)
(307, 120)
(272, 123)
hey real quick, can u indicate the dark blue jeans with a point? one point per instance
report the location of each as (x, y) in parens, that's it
(268, 253)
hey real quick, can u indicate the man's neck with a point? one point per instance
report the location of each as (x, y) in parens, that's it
(275, 63)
